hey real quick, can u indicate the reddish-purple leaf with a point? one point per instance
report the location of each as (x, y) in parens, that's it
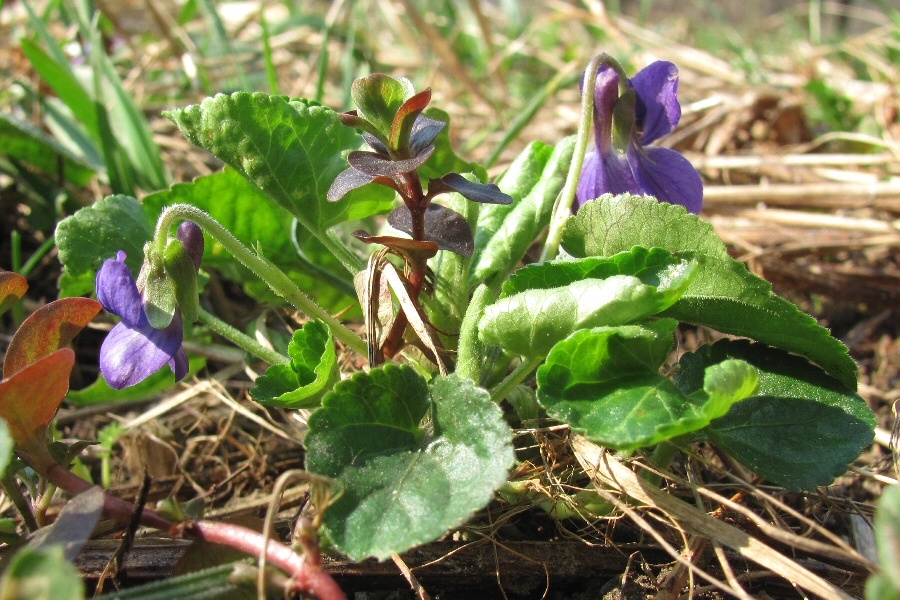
(486, 193)
(447, 227)
(377, 165)
(12, 287)
(30, 398)
(48, 329)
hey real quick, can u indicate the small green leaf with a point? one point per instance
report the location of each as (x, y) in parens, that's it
(215, 583)
(290, 149)
(885, 585)
(800, 429)
(605, 383)
(728, 382)
(724, 295)
(531, 321)
(43, 574)
(310, 375)
(505, 232)
(378, 97)
(98, 232)
(406, 480)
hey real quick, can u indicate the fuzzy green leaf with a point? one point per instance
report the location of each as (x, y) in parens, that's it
(800, 429)
(406, 479)
(654, 266)
(98, 232)
(724, 295)
(637, 285)
(290, 149)
(312, 372)
(605, 383)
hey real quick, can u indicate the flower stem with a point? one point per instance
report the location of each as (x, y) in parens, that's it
(242, 340)
(306, 575)
(518, 375)
(274, 277)
(562, 209)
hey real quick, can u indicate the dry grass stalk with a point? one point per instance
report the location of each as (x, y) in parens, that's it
(609, 473)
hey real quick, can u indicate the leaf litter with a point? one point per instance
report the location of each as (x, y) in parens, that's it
(815, 214)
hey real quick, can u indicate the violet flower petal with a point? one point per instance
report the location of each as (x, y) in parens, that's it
(608, 173)
(118, 292)
(657, 110)
(129, 354)
(669, 176)
(179, 364)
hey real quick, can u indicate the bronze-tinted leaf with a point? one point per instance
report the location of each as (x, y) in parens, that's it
(30, 397)
(12, 287)
(347, 181)
(48, 329)
(405, 119)
(402, 246)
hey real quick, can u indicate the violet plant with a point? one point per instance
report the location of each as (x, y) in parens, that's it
(456, 326)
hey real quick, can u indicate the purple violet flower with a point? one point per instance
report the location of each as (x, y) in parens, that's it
(623, 124)
(134, 349)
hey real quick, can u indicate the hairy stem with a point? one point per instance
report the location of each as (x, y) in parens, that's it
(274, 277)
(242, 340)
(562, 209)
(518, 375)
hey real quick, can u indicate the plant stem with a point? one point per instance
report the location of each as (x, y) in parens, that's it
(562, 210)
(518, 375)
(306, 576)
(274, 277)
(242, 340)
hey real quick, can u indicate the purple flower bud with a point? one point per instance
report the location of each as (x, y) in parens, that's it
(634, 169)
(191, 236)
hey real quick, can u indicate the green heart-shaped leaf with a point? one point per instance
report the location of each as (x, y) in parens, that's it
(406, 480)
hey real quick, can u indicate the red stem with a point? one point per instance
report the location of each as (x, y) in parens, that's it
(307, 576)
